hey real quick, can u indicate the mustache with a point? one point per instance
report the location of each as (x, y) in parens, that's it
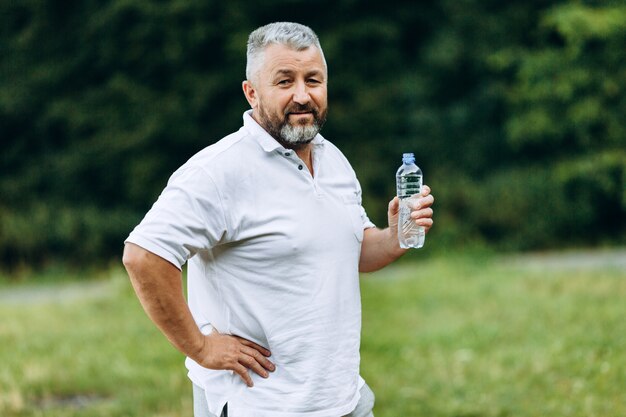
(300, 108)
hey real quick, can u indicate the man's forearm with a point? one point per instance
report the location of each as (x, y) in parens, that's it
(380, 247)
(158, 285)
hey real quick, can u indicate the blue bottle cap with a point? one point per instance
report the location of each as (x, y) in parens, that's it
(408, 158)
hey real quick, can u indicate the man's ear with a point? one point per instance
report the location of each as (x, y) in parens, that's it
(250, 93)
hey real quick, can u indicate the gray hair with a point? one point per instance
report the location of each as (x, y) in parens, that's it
(293, 35)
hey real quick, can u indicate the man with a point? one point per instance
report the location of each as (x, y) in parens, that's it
(270, 220)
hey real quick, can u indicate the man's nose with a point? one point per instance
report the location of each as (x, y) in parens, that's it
(301, 94)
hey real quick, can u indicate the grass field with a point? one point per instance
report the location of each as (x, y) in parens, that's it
(453, 337)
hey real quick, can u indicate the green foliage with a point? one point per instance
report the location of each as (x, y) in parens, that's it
(571, 94)
(504, 104)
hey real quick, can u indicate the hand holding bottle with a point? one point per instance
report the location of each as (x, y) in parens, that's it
(421, 211)
(415, 214)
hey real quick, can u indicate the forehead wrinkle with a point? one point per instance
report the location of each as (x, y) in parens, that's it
(282, 71)
(291, 72)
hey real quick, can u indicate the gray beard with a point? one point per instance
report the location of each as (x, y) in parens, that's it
(291, 136)
(299, 135)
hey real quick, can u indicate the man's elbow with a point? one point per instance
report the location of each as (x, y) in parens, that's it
(139, 261)
(369, 265)
(132, 257)
(366, 267)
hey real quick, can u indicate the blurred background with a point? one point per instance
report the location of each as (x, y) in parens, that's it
(515, 111)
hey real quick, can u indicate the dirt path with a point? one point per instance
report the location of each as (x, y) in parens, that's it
(56, 293)
(75, 291)
(614, 258)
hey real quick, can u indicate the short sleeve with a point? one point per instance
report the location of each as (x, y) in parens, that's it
(188, 217)
(367, 223)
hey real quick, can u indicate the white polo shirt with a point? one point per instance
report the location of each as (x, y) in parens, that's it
(273, 257)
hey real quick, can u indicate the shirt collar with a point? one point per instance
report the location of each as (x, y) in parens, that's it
(267, 142)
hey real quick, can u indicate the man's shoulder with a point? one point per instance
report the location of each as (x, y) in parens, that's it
(224, 149)
(217, 158)
(331, 150)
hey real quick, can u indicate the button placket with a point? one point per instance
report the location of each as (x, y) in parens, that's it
(293, 158)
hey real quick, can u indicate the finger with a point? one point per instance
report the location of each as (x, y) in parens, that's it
(422, 214)
(253, 345)
(262, 360)
(425, 190)
(242, 371)
(427, 223)
(423, 202)
(251, 363)
(394, 205)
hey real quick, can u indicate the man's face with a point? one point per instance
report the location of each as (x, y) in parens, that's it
(288, 94)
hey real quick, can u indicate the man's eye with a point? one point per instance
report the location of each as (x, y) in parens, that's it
(313, 81)
(282, 82)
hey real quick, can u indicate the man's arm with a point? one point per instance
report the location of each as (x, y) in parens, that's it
(158, 285)
(380, 246)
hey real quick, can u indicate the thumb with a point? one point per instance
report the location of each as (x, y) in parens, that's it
(394, 206)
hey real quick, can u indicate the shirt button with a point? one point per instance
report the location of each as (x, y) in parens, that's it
(287, 154)
(300, 167)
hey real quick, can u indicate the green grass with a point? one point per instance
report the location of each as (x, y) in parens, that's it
(97, 357)
(485, 338)
(453, 337)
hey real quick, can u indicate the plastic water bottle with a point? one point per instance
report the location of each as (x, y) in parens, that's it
(409, 187)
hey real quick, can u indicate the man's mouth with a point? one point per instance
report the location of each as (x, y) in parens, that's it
(300, 111)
